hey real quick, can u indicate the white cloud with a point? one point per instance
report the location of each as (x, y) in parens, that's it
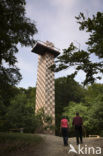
(27, 63)
(55, 21)
(96, 3)
(58, 26)
(63, 3)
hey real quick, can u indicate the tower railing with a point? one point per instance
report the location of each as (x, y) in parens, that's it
(47, 44)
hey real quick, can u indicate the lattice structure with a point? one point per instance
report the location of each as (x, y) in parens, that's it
(45, 88)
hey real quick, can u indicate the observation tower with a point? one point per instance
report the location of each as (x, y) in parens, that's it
(45, 87)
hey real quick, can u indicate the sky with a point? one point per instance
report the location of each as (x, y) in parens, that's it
(55, 21)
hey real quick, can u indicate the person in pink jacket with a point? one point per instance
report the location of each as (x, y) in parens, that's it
(64, 129)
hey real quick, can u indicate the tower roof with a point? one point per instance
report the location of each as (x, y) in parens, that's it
(41, 47)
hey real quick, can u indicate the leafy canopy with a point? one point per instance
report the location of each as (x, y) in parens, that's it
(66, 90)
(94, 26)
(19, 113)
(15, 28)
(91, 110)
(81, 59)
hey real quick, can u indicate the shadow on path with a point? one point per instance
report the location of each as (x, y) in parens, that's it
(53, 146)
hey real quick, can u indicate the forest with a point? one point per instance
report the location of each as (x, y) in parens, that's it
(17, 110)
(17, 105)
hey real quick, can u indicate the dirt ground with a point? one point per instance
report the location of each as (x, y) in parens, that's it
(53, 146)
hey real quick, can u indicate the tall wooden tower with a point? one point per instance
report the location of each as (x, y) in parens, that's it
(45, 88)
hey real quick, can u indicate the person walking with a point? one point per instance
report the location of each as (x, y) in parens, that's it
(77, 122)
(64, 127)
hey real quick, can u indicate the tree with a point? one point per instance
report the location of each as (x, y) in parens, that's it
(74, 107)
(95, 116)
(81, 59)
(92, 92)
(17, 109)
(30, 94)
(6, 96)
(15, 28)
(94, 26)
(91, 110)
(70, 112)
(94, 101)
(66, 90)
(20, 113)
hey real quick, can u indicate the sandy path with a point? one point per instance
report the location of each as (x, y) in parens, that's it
(53, 146)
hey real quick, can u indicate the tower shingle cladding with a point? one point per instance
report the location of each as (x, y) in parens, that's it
(45, 92)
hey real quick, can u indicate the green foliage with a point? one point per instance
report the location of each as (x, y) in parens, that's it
(3, 110)
(44, 121)
(7, 93)
(40, 118)
(48, 119)
(5, 98)
(96, 115)
(66, 90)
(15, 28)
(11, 142)
(12, 137)
(71, 110)
(81, 59)
(91, 110)
(94, 90)
(94, 26)
(17, 109)
(19, 113)
(30, 94)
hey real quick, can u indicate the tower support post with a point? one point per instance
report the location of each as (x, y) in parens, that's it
(45, 87)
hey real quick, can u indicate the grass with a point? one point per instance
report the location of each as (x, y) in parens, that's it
(10, 142)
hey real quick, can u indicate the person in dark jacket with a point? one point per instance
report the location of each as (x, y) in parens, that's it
(64, 129)
(77, 122)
